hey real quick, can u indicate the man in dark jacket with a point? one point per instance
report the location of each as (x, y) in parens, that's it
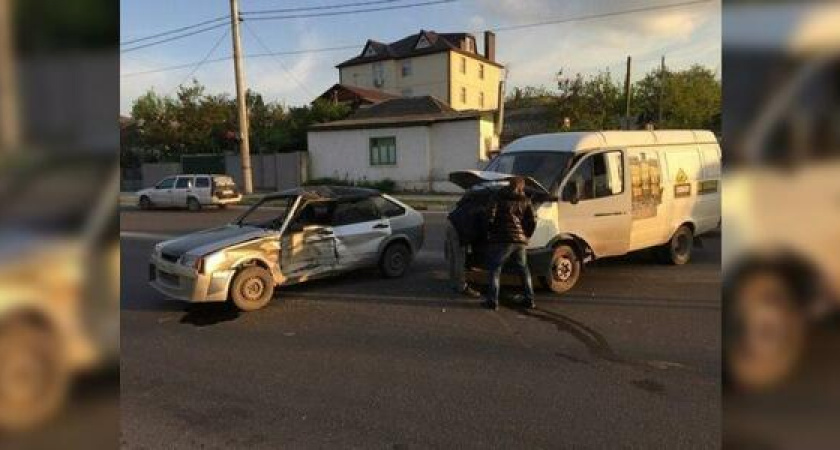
(511, 224)
(464, 229)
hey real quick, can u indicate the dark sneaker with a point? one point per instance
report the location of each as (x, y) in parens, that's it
(491, 305)
(524, 301)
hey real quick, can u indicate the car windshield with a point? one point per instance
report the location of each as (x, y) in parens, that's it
(545, 167)
(267, 213)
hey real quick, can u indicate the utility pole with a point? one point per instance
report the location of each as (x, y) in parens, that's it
(9, 120)
(627, 95)
(241, 107)
(661, 90)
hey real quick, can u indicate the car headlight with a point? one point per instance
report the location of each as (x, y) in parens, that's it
(190, 261)
(203, 264)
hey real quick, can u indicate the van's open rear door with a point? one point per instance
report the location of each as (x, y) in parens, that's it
(467, 179)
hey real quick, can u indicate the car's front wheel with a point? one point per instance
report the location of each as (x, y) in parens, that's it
(395, 260)
(252, 288)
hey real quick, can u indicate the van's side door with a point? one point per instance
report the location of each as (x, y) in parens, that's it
(599, 212)
(183, 189)
(359, 230)
(648, 199)
(161, 195)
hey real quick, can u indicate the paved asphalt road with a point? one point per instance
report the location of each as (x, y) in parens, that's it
(630, 358)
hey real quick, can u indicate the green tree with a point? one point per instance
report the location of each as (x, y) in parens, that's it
(691, 99)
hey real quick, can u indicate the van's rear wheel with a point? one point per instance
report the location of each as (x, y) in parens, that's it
(564, 270)
(678, 250)
(252, 288)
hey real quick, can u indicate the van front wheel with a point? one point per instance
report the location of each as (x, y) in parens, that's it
(564, 270)
(677, 251)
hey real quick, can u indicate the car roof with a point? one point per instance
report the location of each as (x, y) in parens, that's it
(200, 175)
(326, 193)
(590, 140)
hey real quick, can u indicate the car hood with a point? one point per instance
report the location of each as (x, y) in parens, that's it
(467, 179)
(207, 241)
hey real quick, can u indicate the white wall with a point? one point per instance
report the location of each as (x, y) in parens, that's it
(442, 147)
(346, 154)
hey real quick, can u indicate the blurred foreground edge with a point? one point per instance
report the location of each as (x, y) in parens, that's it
(781, 224)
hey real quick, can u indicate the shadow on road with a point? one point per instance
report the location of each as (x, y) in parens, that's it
(202, 315)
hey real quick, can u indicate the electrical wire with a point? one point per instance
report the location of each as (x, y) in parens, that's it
(278, 60)
(355, 11)
(175, 30)
(181, 36)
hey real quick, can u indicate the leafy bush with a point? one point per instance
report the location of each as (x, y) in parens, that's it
(386, 185)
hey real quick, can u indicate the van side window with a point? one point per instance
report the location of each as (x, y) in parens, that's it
(600, 175)
(202, 182)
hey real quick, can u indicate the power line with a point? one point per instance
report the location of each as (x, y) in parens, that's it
(181, 36)
(497, 29)
(206, 57)
(174, 31)
(355, 11)
(252, 56)
(598, 16)
(322, 7)
(282, 66)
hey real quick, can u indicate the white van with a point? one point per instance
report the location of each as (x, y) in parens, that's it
(190, 191)
(610, 193)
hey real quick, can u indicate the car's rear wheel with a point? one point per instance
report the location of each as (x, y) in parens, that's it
(563, 271)
(34, 377)
(145, 203)
(193, 204)
(764, 330)
(678, 250)
(252, 288)
(395, 260)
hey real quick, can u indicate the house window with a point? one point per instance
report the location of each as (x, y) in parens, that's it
(378, 74)
(463, 95)
(481, 71)
(406, 68)
(463, 65)
(383, 151)
(481, 99)
(369, 52)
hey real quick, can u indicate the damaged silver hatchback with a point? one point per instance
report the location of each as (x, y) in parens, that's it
(287, 238)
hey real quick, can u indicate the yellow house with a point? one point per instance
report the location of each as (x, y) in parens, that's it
(446, 66)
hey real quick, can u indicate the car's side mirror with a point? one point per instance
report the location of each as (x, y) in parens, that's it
(570, 192)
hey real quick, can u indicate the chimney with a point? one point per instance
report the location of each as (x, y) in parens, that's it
(490, 45)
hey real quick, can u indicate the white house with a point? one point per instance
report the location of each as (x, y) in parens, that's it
(414, 141)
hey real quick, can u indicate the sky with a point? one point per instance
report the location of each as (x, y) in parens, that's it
(685, 35)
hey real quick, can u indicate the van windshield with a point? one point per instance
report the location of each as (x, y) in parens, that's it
(545, 167)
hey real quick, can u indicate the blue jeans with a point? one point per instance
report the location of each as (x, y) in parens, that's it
(498, 254)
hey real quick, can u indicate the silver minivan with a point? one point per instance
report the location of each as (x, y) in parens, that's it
(190, 191)
(288, 238)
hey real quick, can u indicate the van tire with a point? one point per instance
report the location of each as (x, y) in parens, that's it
(145, 203)
(193, 204)
(563, 270)
(677, 251)
(395, 260)
(40, 351)
(252, 288)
